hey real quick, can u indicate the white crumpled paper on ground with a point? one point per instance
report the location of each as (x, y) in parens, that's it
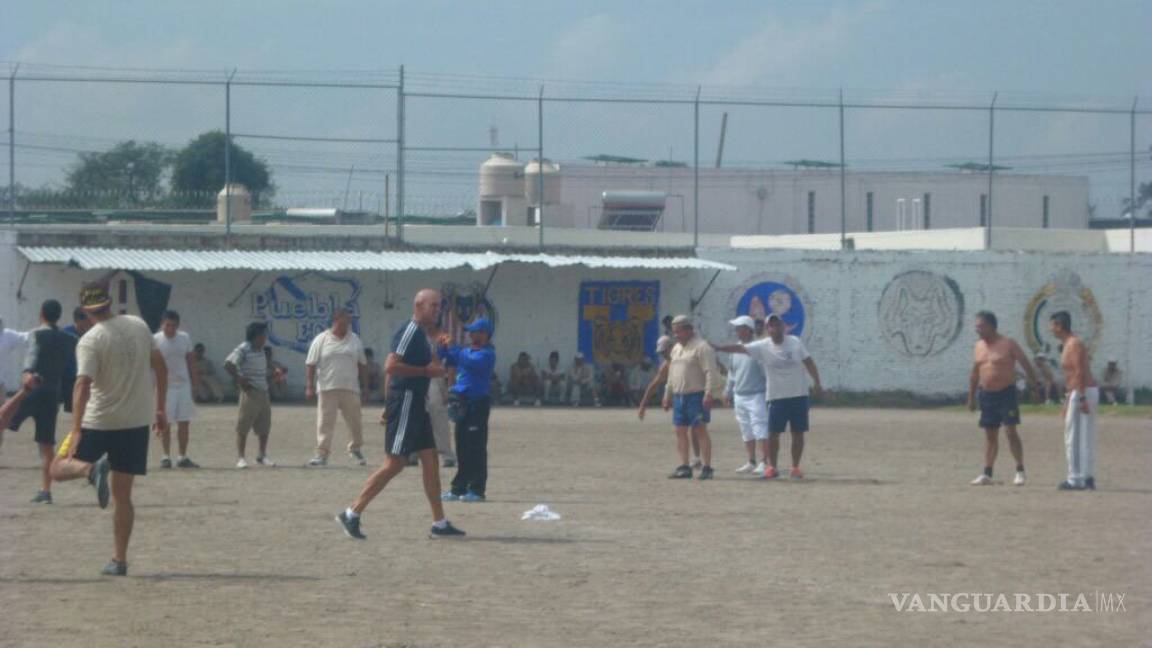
(540, 512)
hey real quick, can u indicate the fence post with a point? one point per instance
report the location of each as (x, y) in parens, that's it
(696, 172)
(540, 166)
(991, 132)
(400, 158)
(228, 159)
(1132, 177)
(12, 146)
(843, 181)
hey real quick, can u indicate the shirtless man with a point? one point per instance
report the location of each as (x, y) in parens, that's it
(992, 385)
(1080, 406)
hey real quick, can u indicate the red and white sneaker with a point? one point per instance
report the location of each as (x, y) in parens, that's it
(795, 473)
(770, 473)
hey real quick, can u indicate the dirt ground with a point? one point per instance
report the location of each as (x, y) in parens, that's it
(222, 557)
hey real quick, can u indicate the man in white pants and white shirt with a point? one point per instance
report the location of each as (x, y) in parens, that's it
(1080, 406)
(336, 367)
(745, 393)
(176, 347)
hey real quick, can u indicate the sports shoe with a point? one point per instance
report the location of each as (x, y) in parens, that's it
(98, 477)
(42, 497)
(696, 463)
(795, 473)
(318, 461)
(1069, 486)
(1090, 483)
(115, 568)
(449, 496)
(358, 457)
(166, 462)
(187, 463)
(746, 468)
(770, 473)
(241, 463)
(681, 472)
(449, 463)
(982, 480)
(265, 460)
(760, 468)
(1019, 479)
(472, 497)
(705, 473)
(351, 526)
(448, 531)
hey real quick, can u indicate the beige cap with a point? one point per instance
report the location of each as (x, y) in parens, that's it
(682, 320)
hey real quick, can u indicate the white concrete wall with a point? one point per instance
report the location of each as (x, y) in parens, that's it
(537, 307)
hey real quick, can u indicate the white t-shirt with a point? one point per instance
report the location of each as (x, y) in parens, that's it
(783, 366)
(337, 361)
(117, 355)
(175, 350)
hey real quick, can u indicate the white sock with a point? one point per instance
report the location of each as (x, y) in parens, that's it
(167, 457)
(350, 514)
(441, 523)
(181, 458)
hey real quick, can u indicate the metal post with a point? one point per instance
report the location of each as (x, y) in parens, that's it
(228, 159)
(400, 158)
(540, 166)
(387, 200)
(12, 146)
(991, 132)
(1132, 178)
(696, 172)
(843, 181)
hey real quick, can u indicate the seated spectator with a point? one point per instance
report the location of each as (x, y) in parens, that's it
(209, 387)
(639, 378)
(277, 377)
(372, 393)
(581, 383)
(1112, 384)
(615, 392)
(523, 381)
(553, 378)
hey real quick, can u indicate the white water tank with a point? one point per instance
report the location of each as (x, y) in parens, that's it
(501, 191)
(551, 182)
(241, 201)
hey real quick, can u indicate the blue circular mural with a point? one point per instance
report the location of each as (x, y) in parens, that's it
(767, 297)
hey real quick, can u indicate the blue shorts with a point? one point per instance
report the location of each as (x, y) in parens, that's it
(688, 410)
(783, 412)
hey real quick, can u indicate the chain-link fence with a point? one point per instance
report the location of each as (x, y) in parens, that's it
(91, 143)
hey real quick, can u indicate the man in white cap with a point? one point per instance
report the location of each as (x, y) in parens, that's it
(581, 383)
(692, 379)
(745, 392)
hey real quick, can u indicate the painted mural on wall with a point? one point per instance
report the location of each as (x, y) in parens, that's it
(921, 313)
(1065, 292)
(766, 294)
(299, 307)
(461, 304)
(618, 321)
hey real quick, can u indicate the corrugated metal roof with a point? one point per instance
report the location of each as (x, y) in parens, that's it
(276, 260)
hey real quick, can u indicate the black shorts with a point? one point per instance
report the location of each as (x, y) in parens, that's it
(127, 450)
(998, 408)
(41, 406)
(788, 412)
(409, 427)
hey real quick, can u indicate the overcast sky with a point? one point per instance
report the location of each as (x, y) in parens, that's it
(1096, 51)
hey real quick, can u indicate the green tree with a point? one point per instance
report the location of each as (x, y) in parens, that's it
(125, 175)
(198, 171)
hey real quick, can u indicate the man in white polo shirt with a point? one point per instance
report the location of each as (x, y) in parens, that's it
(176, 347)
(785, 360)
(336, 367)
(745, 392)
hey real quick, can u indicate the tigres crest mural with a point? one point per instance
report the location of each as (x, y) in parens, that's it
(618, 320)
(461, 305)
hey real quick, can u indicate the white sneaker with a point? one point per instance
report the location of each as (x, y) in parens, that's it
(746, 468)
(982, 480)
(760, 468)
(1019, 479)
(265, 461)
(242, 463)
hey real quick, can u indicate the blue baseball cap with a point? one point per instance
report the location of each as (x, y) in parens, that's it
(481, 324)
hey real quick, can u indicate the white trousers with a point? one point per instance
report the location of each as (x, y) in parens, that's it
(441, 424)
(752, 415)
(1080, 436)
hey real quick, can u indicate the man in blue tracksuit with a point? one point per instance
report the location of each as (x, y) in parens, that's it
(474, 365)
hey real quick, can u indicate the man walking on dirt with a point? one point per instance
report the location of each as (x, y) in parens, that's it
(1080, 406)
(992, 386)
